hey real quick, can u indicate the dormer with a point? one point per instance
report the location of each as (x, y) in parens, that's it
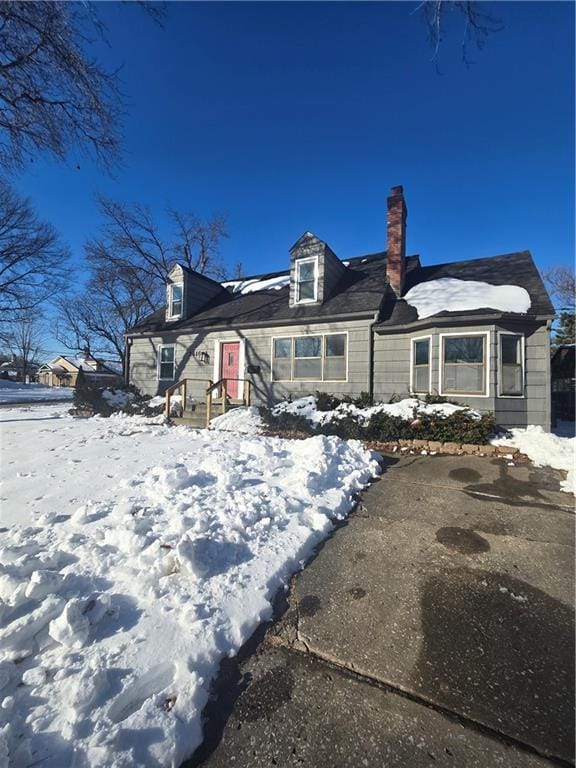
(187, 292)
(315, 270)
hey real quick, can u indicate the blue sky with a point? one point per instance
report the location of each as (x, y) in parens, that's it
(300, 116)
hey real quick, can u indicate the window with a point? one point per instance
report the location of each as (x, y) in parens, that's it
(166, 361)
(310, 358)
(176, 294)
(306, 281)
(421, 365)
(464, 364)
(511, 364)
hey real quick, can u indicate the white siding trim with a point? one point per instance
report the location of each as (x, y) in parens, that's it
(523, 361)
(170, 315)
(487, 356)
(297, 263)
(412, 341)
(293, 336)
(158, 358)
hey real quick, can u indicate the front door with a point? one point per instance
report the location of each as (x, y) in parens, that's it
(230, 366)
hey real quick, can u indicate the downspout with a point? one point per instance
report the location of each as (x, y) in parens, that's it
(127, 361)
(371, 357)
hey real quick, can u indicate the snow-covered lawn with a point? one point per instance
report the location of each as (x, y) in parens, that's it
(134, 557)
(16, 392)
(546, 450)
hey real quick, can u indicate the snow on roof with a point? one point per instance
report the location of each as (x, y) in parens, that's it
(257, 284)
(449, 294)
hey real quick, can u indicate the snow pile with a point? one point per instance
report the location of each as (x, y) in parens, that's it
(16, 392)
(144, 554)
(243, 419)
(451, 295)
(545, 450)
(306, 406)
(117, 398)
(256, 284)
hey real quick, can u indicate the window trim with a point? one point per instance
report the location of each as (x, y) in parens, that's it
(293, 336)
(522, 336)
(487, 354)
(171, 315)
(159, 361)
(298, 262)
(413, 363)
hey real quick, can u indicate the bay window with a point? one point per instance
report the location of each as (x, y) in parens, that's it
(511, 356)
(421, 365)
(463, 364)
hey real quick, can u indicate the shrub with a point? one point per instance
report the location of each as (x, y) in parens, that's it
(286, 422)
(88, 395)
(326, 402)
(347, 428)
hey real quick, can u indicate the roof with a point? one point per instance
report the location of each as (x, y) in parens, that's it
(359, 293)
(363, 291)
(104, 368)
(507, 269)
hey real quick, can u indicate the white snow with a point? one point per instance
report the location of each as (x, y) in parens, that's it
(16, 392)
(249, 421)
(405, 409)
(451, 295)
(545, 450)
(254, 284)
(134, 557)
(117, 398)
(243, 419)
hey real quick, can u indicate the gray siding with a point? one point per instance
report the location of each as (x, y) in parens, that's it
(392, 372)
(330, 268)
(197, 290)
(257, 352)
(391, 366)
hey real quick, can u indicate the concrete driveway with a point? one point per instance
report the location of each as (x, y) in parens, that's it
(436, 628)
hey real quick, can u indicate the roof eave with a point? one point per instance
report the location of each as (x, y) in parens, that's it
(456, 319)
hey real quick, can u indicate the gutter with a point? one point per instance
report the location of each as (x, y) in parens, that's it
(371, 356)
(263, 324)
(435, 320)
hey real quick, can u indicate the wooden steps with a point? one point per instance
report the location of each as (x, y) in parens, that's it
(196, 418)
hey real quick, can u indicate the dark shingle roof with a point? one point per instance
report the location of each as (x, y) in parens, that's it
(363, 290)
(508, 269)
(359, 292)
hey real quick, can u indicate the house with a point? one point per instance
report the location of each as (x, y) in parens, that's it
(63, 371)
(15, 370)
(563, 372)
(475, 331)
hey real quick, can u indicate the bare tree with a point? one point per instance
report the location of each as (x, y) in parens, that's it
(129, 263)
(477, 23)
(33, 261)
(562, 285)
(25, 340)
(53, 96)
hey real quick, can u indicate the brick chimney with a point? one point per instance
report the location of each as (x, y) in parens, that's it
(396, 246)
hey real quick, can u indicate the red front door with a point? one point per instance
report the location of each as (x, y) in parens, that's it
(230, 366)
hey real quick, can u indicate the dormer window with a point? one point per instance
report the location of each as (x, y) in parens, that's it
(306, 280)
(176, 293)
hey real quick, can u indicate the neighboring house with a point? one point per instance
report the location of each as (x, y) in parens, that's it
(63, 371)
(13, 370)
(475, 331)
(563, 382)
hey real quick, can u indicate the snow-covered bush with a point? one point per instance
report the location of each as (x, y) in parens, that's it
(408, 418)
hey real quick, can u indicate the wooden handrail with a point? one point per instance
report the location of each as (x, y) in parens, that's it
(222, 384)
